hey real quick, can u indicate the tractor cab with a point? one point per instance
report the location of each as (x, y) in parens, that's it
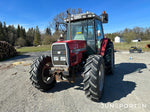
(87, 26)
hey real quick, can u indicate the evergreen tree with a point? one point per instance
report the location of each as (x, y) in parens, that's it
(22, 33)
(18, 31)
(5, 32)
(30, 36)
(1, 32)
(48, 31)
(12, 34)
(37, 39)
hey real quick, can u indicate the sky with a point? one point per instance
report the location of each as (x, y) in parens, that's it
(30, 13)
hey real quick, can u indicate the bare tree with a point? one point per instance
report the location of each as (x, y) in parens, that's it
(59, 18)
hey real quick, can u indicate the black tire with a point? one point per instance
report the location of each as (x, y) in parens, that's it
(109, 58)
(40, 74)
(94, 77)
(131, 50)
(139, 50)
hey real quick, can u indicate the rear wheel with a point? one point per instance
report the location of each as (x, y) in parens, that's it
(139, 50)
(109, 58)
(94, 77)
(40, 73)
(131, 50)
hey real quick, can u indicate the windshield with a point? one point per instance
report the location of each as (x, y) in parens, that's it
(81, 30)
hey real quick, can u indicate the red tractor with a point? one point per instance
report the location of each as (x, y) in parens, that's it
(85, 49)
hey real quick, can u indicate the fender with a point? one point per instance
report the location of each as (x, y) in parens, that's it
(103, 46)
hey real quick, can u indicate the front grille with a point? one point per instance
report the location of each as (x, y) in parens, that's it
(59, 55)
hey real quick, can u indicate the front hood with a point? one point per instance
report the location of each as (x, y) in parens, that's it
(74, 44)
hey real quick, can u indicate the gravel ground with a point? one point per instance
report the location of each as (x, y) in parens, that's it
(127, 90)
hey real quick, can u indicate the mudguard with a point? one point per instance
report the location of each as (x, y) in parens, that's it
(103, 46)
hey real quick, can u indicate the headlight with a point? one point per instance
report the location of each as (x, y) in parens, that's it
(62, 58)
(56, 58)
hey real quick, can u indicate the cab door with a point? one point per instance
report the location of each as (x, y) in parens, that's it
(99, 34)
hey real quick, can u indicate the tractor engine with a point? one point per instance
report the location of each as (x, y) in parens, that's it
(66, 55)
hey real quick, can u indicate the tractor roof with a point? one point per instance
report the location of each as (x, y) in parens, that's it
(81, 16)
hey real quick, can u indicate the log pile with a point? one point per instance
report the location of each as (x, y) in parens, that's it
(6, 50)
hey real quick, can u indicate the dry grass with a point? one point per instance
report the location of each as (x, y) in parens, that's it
(117, 46)
(126, 46)
(34, 49)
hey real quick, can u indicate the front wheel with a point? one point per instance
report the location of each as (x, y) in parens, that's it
(40, 73)
(94, 75)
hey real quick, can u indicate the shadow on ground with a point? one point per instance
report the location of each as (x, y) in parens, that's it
(15, 58)
(27, 56)
(60, 86)
(19, 57)
(115, 88)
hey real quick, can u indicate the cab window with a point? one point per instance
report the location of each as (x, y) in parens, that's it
(98, 32)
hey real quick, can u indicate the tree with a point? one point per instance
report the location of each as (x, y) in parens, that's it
(37, 39)
(75, 11)
(22, 32)
(56, 34)
(20, 42)
(12, 34)
(47, 39)
(5, 32)
(18, 31)
(1, 32)
(30, 36)
(59, 18)
(147, 33)
(48, 31)
(129, 36)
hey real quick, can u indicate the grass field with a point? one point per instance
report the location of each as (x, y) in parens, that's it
(117, 46)
(126, 46)
(34, 49)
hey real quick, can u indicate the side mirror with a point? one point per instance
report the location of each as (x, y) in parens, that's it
(56, 26)
(98, 33)
(104, 17)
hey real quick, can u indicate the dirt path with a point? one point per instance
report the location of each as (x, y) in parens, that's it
(127, 90)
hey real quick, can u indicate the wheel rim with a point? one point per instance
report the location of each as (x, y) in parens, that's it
(46, 76)
(101, 78)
